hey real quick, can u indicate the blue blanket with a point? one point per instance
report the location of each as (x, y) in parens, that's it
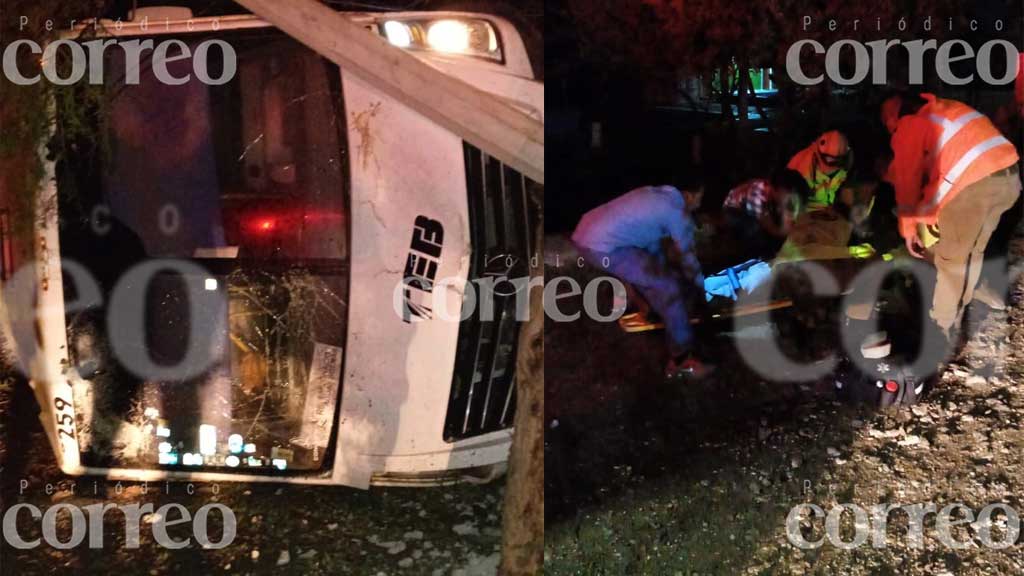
(730, 282)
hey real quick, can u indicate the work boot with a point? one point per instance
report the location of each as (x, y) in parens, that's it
(989, 297)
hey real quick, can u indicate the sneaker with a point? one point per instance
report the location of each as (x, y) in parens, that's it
(689, 367)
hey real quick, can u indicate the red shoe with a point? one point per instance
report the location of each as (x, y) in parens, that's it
(689, 367)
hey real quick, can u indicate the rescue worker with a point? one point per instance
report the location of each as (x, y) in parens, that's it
(759, 213)
(628, 238)
(824, 164)
(954, 175)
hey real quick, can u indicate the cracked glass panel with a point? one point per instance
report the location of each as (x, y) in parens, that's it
(245, 183)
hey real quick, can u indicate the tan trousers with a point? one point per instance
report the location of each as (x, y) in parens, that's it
(965, 227)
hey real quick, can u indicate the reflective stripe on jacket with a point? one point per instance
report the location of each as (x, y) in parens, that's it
(942, 149)
(824, 185)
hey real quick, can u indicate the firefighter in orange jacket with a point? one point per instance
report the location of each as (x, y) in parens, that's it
(954, 175)
(824, 164)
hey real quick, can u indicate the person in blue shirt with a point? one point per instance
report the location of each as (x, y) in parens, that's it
(645, 238)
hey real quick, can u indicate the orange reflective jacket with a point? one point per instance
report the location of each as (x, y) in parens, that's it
(824, 181)
(943, 148)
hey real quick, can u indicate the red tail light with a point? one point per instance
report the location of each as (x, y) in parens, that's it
(261, 225)
(892, 386)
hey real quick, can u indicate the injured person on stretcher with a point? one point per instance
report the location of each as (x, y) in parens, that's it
(646, 238)
(931, 246)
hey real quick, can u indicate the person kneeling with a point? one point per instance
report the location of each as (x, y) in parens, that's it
(625, 237)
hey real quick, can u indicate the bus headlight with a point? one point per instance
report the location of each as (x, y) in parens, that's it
(448, 36)
(398, 34)
(467, 37)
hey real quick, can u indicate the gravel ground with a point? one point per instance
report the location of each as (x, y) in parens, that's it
(650, 478)
(280, 529)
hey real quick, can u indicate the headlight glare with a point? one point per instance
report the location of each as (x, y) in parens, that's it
(448, 36)
(468, 37)
(398, 34)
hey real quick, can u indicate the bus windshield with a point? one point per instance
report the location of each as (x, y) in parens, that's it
(238, 191)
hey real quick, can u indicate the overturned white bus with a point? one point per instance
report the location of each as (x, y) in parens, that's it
(213, 295)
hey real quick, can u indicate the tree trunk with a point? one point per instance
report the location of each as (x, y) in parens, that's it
(523, 522)
(725, 85)
(765, 120)
(743, 79)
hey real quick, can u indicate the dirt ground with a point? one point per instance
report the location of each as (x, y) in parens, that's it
(648, 477)
(280, 529)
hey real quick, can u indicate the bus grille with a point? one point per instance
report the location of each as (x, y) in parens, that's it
(502, 218)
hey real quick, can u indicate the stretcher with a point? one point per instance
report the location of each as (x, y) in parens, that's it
(722, 292)
(635, 322)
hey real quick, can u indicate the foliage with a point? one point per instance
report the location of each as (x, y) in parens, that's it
(26, 113)
(667, 40)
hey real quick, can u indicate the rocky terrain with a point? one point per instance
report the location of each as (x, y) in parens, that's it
(648, 477)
